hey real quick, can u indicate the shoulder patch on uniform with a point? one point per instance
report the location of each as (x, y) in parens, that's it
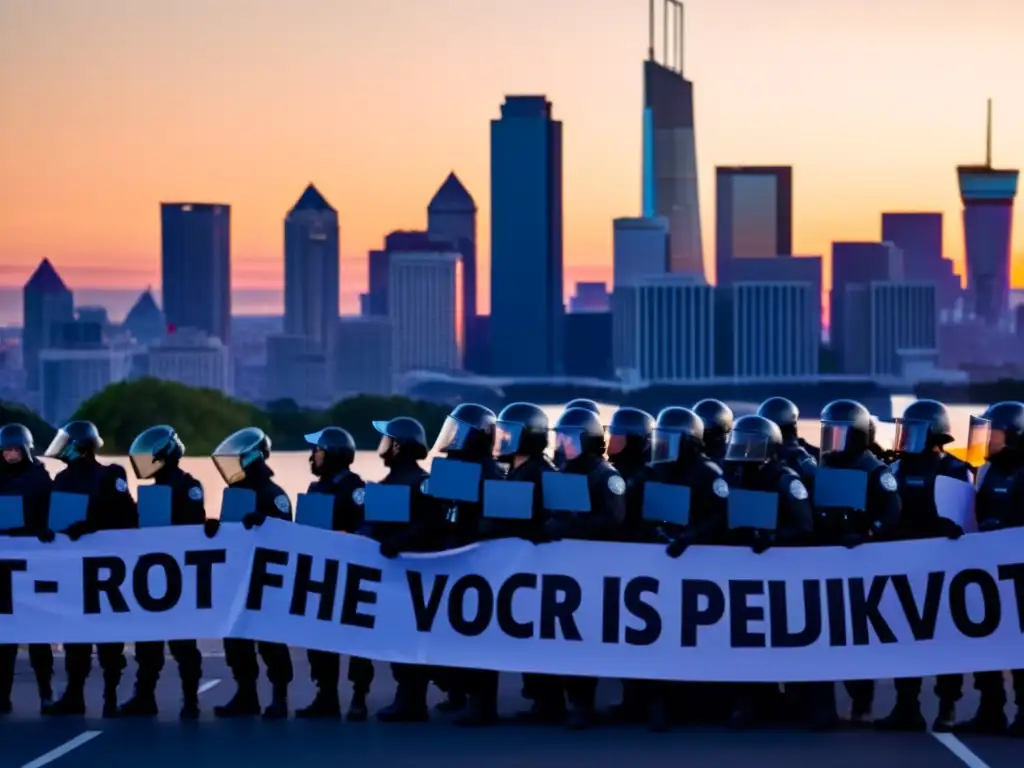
(798, 490)
(357, 496)
(195, 493)
(282, 503)
(616, 485)
(424, 487)
(888, 481)
(121, 485)
(721, 488)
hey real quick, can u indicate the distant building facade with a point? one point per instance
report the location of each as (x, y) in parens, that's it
(69, 377)
(425, 309)
(675, 329)
(363, 357)
(47, 302)
(753, 216)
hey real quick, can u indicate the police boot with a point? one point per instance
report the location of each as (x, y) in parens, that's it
(71, 704)
(860, 715)
(480, 711)
(142, 704)
(989, 720)
(905, 716)
(454, 701)
(945, 721)
(110, 708)
(357, 711)
(325, 705)
(245, 703)
(45, 694)
(630, 709)
(408, 707)
(189, 700)
(580, 716)
(278, 709)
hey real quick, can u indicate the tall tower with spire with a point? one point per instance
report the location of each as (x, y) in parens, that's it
(988, 195)
(311, 263)
(47, 303)
(669, 186)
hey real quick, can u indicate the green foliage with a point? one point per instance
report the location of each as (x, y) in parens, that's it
(356, 414)
(15, 413)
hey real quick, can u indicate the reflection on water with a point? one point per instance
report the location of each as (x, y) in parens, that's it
(292, 468)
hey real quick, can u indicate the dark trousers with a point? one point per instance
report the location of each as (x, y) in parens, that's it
(325, 671)
(150, 659)
(992, 688)
(451, 680)
(580, 691)
(482, 684)
(764, 701)
(78, 663)
(413, 681)
(948, 688)
(40, 656)
(547, 689)
(241, 658)
(862, 695)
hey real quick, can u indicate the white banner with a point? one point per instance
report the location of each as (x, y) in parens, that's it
(579, 608)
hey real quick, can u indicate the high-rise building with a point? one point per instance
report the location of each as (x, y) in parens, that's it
(588, 337)
(526, 239)
(400, 240)
(195, 266)
(675, 329)
(425, 307)
(641, 250)
(857, 264)
(192, 358)
(988, 194)
(297, 370)
(144, 321)
(451, 216)
(311, 263)
(890, 325)
(669, 147)
(46, 303)
(753, 216)
(776, 330)
(69, 377)
(589, 297)
(363, 357)
(919, 235)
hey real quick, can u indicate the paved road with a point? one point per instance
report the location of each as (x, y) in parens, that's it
(29, 741)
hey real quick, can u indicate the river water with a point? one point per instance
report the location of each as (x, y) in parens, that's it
(292, 468)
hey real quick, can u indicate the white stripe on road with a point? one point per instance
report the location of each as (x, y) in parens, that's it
(63, 749)
(208, 685)
(958, 748)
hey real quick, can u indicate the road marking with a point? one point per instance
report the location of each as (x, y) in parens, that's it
(958, 748)
(208, 685)
(63, 749)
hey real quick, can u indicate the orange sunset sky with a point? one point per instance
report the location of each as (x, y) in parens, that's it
(110, 106)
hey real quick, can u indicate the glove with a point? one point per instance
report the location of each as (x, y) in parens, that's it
(489, 529)
(678, 545)
(990, 524)
(46, 536)
(253, 520)
(554, 530)
(537, 536)
(75, 531)
(210, 527)
(389, 550)
(951, 530)
(851, 540)
(761, 545)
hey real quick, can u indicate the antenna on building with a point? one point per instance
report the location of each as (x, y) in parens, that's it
(682, 35)
(650, 31)
(988, 137)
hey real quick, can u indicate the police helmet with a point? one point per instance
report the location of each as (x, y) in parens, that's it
(403, 433)
(630, 430)
(717, 417)
(585, 404)
(846, 427)
(578, 432)
(73, 441)
(338, 446)
(469, 431)
(925, 425)
(782, 411)
(677, 431)
(239, 451)
(17, 437)
(999, 428)
(154, 449)
(522, 429)
(753, 439)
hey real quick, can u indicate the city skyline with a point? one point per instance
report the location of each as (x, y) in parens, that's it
(255, 146)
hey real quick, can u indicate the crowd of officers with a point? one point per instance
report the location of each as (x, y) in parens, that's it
(704, 448)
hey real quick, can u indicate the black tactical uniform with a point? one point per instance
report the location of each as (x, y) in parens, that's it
(241, 460)
(22, 475)
(155, 454)
(678, 458)
(111, 507)
(718, 418)
(799, 455)
(521, 444)
(468, 434)
(920, 436)
(580, 436)
(753, 462)
(997, 436)
(846, 444)
(403, 445)
(332, 451)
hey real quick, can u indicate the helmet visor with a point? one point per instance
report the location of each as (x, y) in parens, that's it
(146, 447)
(834, 436)
(568, 443)
(61, 447)
(384, 448)
(983, 442)
(747, 448)
(667, 445)
(911, 436)
(508, 435)
(454, 436)
(617, 442)
(230, 468)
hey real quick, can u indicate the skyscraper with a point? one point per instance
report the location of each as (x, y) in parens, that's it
(425, 308)
(526, 239)
(776, 329)
(311, 254)
(451, 216)
(988, 194)
(195, 263)
(675, 329)
(853, 265)
(642, 250)
(896, 326)
(47, 303)
(753, 216)
(919, 235)
(669, 146)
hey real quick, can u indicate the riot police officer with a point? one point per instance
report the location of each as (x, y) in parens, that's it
(846, 438)
(921, 435)
(753, 462)
(23, 475)
(241, 460)
(998, 436)
(155, 455)
(798, 454)
(581, 437)
(332, 451)
(468, 434)
(403, 445)
(718, 418)
(584, 403)
(110, 507)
